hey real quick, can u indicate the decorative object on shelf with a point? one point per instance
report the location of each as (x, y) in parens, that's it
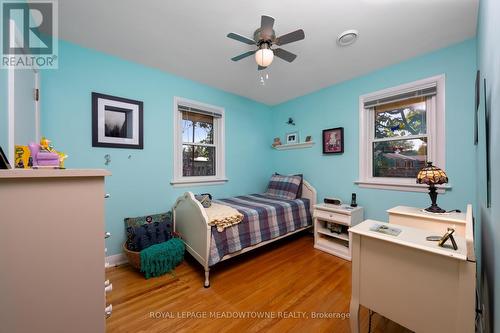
(334, 227)
(308, 138)
(353, 200)
(446, 236)
(292, 137)
(116, 122)
(432, 176)
(333, 140)
(277, 142)
(43, 155)
(4, 162)
(290, 121)
(22, 157)
(476, 105)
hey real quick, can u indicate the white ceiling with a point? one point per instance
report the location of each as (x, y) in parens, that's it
(188, 37)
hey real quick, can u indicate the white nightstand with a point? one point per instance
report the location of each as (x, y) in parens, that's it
(338, 244)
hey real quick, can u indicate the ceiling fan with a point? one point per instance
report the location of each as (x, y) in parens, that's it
(264, 38)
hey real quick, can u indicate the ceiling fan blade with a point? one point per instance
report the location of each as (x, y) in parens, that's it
(290, 37)
(241, 38)
(260, 67)
(285, 55)
(243, 55)
(266, 24)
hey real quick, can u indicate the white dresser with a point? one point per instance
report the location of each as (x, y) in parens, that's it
(412, 281)
(52, 251)
(336, 243)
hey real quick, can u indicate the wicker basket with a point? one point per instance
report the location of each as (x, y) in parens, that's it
(134, 257)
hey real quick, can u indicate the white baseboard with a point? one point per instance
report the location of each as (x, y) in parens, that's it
(116, 260)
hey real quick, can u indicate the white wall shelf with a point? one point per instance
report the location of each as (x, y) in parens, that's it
(295, 146)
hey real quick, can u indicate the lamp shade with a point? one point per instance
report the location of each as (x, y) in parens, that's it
(264, 57)
(431, 175)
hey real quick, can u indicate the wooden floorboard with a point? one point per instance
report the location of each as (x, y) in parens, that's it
(286, 279)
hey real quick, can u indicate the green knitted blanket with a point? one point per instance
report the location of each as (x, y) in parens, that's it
(161, 258)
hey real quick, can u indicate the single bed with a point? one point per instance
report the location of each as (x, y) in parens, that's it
(266, 219)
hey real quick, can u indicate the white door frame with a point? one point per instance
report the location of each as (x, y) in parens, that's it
(11, 108)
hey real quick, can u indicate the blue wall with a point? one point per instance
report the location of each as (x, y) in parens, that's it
(337, 106)
(141, 185)
(488, 57)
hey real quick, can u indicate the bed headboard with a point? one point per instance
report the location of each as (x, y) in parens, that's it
(309, 192)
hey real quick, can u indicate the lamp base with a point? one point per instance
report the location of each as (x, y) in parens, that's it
(435, 209)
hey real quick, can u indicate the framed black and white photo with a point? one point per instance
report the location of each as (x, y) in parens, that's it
(291, 138)
(116, 122)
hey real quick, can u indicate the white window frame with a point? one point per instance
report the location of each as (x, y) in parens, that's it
(219, 142)
(436, 148)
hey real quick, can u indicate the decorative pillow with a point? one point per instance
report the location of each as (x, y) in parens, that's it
(205, 199)
(144, 231)
(299, 192)
(284, 187)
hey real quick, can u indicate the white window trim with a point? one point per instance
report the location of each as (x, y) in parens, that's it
(436, 134)
(220, 165)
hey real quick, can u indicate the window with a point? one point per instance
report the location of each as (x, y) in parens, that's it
(401, 129)
(198, 143)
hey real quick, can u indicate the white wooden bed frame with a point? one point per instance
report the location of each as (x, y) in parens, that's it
(191, 221)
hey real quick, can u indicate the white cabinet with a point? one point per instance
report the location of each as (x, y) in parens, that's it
(331, 223)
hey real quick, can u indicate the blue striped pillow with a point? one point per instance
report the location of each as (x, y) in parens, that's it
(284, 187)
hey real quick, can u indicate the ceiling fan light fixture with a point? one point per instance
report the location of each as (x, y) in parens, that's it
(348, 37)
(264, 56)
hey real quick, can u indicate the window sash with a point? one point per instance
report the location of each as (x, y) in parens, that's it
(218, 143)
(430, 125)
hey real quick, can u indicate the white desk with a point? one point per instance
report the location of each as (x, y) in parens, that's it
(411, 281)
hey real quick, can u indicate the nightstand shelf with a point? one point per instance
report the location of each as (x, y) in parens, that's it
(335, 243)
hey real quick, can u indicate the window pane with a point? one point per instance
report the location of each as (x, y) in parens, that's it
(198, 161)
(401, 118)
(197, 128)
(399, 158)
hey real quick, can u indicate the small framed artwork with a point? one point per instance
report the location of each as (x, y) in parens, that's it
(116, 122)
(333, 140)
(292, 137)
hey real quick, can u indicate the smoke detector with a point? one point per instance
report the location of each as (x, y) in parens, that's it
(348, 37)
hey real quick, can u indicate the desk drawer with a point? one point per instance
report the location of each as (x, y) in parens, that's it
(333, 217)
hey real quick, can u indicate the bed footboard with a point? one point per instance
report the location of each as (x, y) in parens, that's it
(191, 222)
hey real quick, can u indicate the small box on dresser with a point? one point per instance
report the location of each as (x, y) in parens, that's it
(338, 244)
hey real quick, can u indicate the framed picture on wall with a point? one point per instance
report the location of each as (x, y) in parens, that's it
(333, 140)
(292, 137)
(116, 122)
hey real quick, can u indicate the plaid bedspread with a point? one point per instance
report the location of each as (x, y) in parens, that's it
(264, 218)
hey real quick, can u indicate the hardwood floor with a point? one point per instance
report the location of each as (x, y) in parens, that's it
(289, 280)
